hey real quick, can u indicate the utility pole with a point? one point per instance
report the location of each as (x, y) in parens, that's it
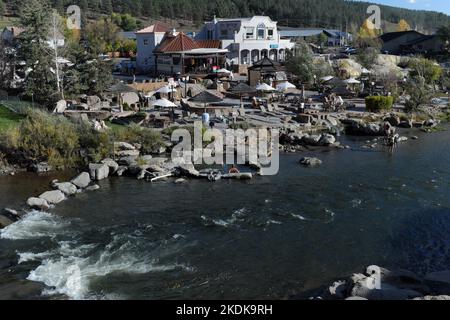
(55, 48)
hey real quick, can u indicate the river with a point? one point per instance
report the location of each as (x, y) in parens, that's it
(276, 237)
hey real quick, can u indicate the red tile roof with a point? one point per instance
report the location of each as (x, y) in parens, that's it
(182, 43)
(157, 27)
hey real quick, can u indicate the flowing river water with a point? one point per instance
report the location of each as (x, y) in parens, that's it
(272, 237)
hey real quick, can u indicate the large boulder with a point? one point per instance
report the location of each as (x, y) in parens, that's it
(98, 171)
(311, 140)
(408, 124)
(393, 120)
(61, 106)
(338, 290)
(38, 203)
(439, 282)
(5, 221)
(366, 287)
(127, 161)
(82, 180)
(359, 127)
(327, 140)
(67, 188)
(123, 146)
(53, 197)
(113, 166)
(188, 170)
(310, 162)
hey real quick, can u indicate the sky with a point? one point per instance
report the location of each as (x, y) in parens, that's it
(435, 5)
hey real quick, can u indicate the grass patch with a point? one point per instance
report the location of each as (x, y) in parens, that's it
(9, 119)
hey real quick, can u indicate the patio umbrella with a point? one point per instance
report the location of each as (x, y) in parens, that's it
(206, 97)
(265, 87)
(285, 86)
(242, 89)
(164, 103)
(223, 70)
(119, 89)
(351, 81)
(326, 79)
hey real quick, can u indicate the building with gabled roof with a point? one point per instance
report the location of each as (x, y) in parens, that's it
(180, 54)
(147, 40)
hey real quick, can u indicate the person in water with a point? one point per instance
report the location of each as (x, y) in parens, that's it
(233, 170)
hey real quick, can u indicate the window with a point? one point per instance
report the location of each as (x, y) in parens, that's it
(209, 35)
(224, 33)
(249, 33)
(145, 42)
(270, 33)
(261, 31)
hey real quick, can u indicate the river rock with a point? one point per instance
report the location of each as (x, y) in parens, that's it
(363, 286)
(11, 214)
(53, 197)
(67, 188)
(127, 161)
(38, 203)
(98, 171)
(434, 298)
(123, 146)
(40, 167)
(430, 123)
(61, 106)
(113, 166)
(128, 153)
(180, 181)
(338, 290)
(402, 139)
(94, 187)
(327, 140)
(401, 279)
(5, 221)
(310, 162)
(188, 170)
(82, 180)
(311, 140)
(414, 138)
(439, 282)
(122, 169)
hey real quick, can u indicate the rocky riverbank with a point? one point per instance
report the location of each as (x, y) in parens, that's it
(378, 283)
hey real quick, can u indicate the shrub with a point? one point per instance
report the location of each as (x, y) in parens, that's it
(45, 137)
(149, 139)
(379, 103)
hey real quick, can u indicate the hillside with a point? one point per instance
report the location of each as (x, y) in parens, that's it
(342, 14)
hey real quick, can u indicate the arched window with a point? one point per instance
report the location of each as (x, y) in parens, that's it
(261, 31)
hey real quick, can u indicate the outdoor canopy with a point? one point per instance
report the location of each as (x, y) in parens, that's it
(285, 86)
(351, 81)
(164, 103)
(326, 79)
(166, 90)
(265, 87)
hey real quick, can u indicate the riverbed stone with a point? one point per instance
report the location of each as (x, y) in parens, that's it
(434, 298)
(67, 188)
(113, 165)
(38, 203)
(94, 187)
(82, 180)
(123, 146)
(11, 214)
(41, 167)
(53, 197)
(327, 140)
(310, 162)
(5, 221)
(180, 181)
(338, 289)
(311, 140)
(98, 171)
(121, 170)
(128, 153)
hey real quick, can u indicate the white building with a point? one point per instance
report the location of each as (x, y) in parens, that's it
(10, 34)
(247, 39)
(147, 41)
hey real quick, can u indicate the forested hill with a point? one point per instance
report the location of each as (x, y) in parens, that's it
(343, 14)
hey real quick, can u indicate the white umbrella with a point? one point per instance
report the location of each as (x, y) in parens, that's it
(164, 103)
(223, 71)
(326, 79)
(366, 71)
(351, 81)
(166, 90)
(264, 87)
(285, 86)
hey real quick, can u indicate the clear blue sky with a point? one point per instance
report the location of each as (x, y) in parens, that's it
(434, 5)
